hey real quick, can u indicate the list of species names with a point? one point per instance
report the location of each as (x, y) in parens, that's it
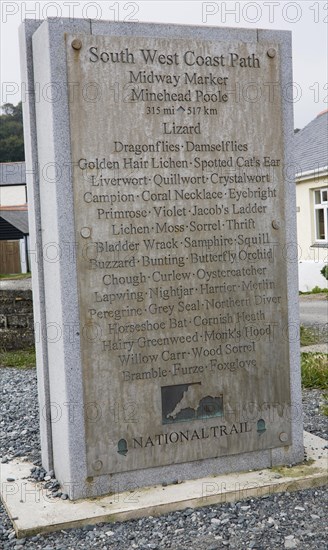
(179, 213)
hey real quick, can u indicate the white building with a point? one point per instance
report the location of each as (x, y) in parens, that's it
(13, 218)
(311, 159)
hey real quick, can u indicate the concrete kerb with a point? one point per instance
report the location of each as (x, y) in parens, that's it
(33, 511)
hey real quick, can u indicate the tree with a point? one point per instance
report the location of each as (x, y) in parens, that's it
(8, 108)
(11, 133)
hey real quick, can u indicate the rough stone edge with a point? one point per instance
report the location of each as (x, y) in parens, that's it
(296, 452)
(57, 215)
(26, 31)
(161, 30)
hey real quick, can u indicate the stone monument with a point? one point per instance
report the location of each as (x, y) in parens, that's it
(165, 281)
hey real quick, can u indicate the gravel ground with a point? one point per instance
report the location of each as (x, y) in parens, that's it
(289, 520)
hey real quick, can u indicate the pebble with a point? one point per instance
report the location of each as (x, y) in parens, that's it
(290, 542)
(264, 523)
(271, 521)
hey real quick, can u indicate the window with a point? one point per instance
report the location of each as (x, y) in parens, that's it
(321, 215)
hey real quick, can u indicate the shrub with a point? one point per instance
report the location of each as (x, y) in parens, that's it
(324, 271)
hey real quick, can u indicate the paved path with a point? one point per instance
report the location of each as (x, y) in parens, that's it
(314, 309)
(314, 314)
(315, 348)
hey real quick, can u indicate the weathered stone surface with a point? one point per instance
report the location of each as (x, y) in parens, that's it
(179, 218)
(167, 294)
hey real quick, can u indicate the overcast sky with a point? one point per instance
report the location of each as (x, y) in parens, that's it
(306, 19)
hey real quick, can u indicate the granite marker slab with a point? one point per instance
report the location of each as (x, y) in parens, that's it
(177, 297)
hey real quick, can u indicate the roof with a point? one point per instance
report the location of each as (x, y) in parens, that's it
(17, 218)
(311, 145)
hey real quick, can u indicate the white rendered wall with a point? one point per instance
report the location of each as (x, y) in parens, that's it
(12, 196)
(305, 220)
(311, 258)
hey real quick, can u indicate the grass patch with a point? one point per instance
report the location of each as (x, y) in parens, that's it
(21, 359)
(314, 370)
(308, 336)
(315, 290)
(10, 276)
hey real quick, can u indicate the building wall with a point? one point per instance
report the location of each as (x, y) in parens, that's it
(310, 276)
(311, 258)
(13, 195)
(16, 319)
(305, 220)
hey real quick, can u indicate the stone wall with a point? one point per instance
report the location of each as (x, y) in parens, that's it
(16, 319)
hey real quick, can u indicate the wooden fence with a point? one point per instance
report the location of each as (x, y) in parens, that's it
(9, 257)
